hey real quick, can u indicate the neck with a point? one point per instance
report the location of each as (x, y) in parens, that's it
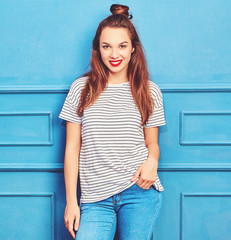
(118, 77)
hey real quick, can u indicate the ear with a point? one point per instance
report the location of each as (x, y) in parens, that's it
(133, 50)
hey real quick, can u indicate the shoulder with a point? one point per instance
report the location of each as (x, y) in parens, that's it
(155, 89)
(79, 82)
(77, 85)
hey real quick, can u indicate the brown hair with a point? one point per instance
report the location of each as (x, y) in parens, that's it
(137, 73)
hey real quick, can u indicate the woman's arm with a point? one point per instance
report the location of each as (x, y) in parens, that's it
(151, 142)
(71, 160)
(147, 171)
(71, 168)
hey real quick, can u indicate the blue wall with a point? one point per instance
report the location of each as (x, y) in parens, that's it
(45, 45)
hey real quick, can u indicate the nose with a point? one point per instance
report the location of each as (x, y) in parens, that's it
(114, 53)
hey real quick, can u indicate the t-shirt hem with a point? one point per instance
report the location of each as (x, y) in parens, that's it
(69, 119)
(161, 124)
(159, 189)
(103, 198)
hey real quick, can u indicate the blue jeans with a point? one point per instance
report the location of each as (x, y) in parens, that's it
(133, 212)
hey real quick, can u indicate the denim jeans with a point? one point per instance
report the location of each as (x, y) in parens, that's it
(133, 213)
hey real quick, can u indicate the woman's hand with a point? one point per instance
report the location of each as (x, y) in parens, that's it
(147, 173)
(72, 212)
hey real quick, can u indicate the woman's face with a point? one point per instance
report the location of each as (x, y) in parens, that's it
(115, 49)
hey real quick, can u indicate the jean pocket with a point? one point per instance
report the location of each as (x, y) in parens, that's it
(144, 188)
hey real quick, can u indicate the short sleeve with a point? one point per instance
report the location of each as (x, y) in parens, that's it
(158, 116)
(70, 105)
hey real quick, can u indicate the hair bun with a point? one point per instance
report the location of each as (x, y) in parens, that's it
(120, 9)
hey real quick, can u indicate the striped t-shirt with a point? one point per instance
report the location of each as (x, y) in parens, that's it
(113, 145)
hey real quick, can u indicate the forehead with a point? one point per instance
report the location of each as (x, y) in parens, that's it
(114, 35)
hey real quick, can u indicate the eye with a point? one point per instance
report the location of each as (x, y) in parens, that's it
(105, 46)
(123, 46)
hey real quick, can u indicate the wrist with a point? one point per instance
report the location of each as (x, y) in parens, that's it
(72, 202)
(152, 159)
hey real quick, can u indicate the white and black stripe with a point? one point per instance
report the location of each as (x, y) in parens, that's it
(113, 145)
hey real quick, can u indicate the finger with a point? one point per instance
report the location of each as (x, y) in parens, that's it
(136, 174)
(139, 182)
(76, 227)
(145, 184)
(73, 234)
(148, 185)
(71, 230)
(135, 177)
(66, 222)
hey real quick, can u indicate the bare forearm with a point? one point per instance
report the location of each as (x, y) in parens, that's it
(153, 152)
(71, 168)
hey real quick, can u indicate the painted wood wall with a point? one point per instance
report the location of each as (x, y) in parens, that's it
(46, 45)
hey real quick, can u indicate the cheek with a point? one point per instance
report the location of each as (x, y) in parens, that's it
(104, 56)
(127, 55)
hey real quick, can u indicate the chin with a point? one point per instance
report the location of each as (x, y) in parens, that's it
(115, 71)
(112, 70)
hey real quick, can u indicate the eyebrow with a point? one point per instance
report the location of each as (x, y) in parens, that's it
(118, 44)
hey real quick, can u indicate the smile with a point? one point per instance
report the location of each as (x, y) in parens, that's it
(115, 63)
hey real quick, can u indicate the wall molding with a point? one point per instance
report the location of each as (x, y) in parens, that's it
(49, 141)
(194, 167)
(164, 87)
(31, 167)
(195, 87)
(58, 167)
(184, 195)
(50, 195)
(182, 134)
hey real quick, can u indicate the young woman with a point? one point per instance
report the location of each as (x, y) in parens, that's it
(113, 113)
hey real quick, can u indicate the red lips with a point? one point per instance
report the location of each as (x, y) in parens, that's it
(115, 63)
